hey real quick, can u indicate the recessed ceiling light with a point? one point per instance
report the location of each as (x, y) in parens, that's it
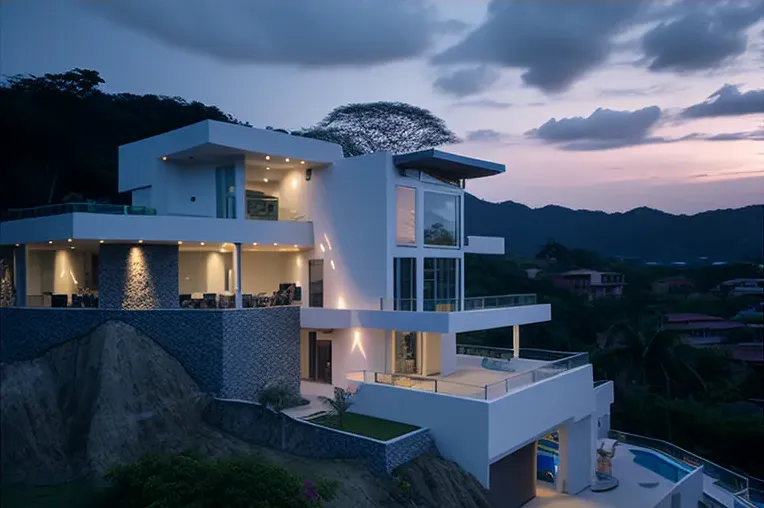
(302, 162)
(180, 242)
(267, 157)
(69, 240)
(50, 242)
(275, 243)
(268, 169)
(201, 243)
(265, 180)
(286, 160)
(100, 241)
(140, 241)
(254, 243)
(72, 247)
(295, 245)
(17, 245)
(164, 158)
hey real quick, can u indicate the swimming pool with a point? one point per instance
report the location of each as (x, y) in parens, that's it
(664, 466)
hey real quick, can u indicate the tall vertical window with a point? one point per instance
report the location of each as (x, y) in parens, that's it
(441, 284)
(405, 215)
(441, 219)
(404, 291)
(316, 283)
(225, 192)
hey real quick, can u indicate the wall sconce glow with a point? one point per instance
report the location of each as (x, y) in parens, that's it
(357, 344)
(323, 249)
(294, 183)
(267, 157)
(328, 243)
(286, 160)
(298, 261)
(69, 240)
(331, 262)
(164, 158)
(140, 241)
(340, 303)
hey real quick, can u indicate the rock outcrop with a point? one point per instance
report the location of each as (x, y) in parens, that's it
(110, 396)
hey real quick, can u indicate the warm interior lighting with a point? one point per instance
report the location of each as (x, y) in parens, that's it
(295, 246)
(164, 158)
(69, 240)
(286, 160)
(180, 242)
(100, 241)
(254, 243)
(222, 249)
(17, 245)
(302, 162)
(50, 242)
(357, 344)
(274, 243)
(201, 243)
(265, 180)
(267, 157)
(140, 241)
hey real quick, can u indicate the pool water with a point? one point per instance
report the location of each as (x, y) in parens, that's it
(660, 465)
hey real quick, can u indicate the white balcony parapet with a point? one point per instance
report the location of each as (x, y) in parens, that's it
(535, 365)
(455, 305)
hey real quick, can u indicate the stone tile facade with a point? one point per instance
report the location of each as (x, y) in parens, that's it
(254, 423)
(259, 347)
(138, 277)
(225, 351)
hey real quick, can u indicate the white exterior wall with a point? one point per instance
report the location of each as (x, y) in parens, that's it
(350, 219)
(604, 395)
(456, 424)
(577, 455)
(689, 490)
(447, 353)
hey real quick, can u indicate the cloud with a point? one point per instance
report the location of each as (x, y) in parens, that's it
(755, 135)
(554, 42)
(290, 32)
(465, 82)
(727, 101)
(484, 135)
(705, 35)
(638, 92)
(602, 130)
(484, 103)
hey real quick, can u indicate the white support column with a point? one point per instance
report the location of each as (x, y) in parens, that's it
(237, 274)
(576, 454)
(516, 341)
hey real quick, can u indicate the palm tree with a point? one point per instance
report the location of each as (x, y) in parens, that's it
(339, 404)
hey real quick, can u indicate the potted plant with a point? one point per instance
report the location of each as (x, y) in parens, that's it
(604, 456)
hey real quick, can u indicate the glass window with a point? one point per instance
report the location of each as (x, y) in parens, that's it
(225, 192)
(441, 284)
(441, 219)
(407, 357)
(316, 283)
(405, 215)
(404, 275)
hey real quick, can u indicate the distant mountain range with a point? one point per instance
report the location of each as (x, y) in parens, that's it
(643, 233)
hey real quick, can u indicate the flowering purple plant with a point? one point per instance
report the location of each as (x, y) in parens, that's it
(309, 491)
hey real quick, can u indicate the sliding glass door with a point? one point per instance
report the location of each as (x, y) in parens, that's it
(407, 358)
(404, 279)
(441, 284)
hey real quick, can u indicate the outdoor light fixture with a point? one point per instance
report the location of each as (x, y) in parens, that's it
(50, 242)
(302, 162)
(265, 180)
(287, 159)
(201, 243)
(267, 157)
(140, 241)
(268, 168)
(69, 240)
(254, 243)
(180, 242)
(275, 244)
(164, 158)
(17, 245)
(100, 241)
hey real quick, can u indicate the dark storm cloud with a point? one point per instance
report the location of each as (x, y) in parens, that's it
(296, 32)
(703, 35)
(464, 82)
(727, 101)
(555, 42)
(602, 130)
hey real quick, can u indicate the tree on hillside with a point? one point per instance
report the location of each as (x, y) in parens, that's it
(61, 132)
(393, 127)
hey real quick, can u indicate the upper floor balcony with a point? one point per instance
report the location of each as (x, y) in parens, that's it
(64, 208)
(457, 304)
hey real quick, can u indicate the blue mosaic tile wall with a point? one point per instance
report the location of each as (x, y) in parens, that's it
(255, 424)
(138, 277)
(224, 351)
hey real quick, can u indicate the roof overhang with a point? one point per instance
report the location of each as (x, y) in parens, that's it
(447, 164)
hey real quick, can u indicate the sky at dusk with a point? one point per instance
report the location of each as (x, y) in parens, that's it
(599, 104)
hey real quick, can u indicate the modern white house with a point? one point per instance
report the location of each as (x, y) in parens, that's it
(369, 251)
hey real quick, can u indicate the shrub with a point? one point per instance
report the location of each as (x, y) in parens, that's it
(278, 396)
(188, 481)
(339, 404)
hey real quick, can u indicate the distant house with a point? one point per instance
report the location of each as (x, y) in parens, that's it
(739, 287)
(672, 285)
(591, 283)
(700, 329)
(532, 273)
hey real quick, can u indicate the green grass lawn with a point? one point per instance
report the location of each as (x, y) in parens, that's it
(68, 495)
(368, 426)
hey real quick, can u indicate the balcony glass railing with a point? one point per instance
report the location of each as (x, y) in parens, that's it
(734, 483)
(267, 208)
(554, 363)
(62, 208)
(455, 304)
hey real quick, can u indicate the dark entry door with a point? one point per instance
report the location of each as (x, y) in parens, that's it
(324, 361)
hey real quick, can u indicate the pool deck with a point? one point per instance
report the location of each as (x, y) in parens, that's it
(628, 494)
